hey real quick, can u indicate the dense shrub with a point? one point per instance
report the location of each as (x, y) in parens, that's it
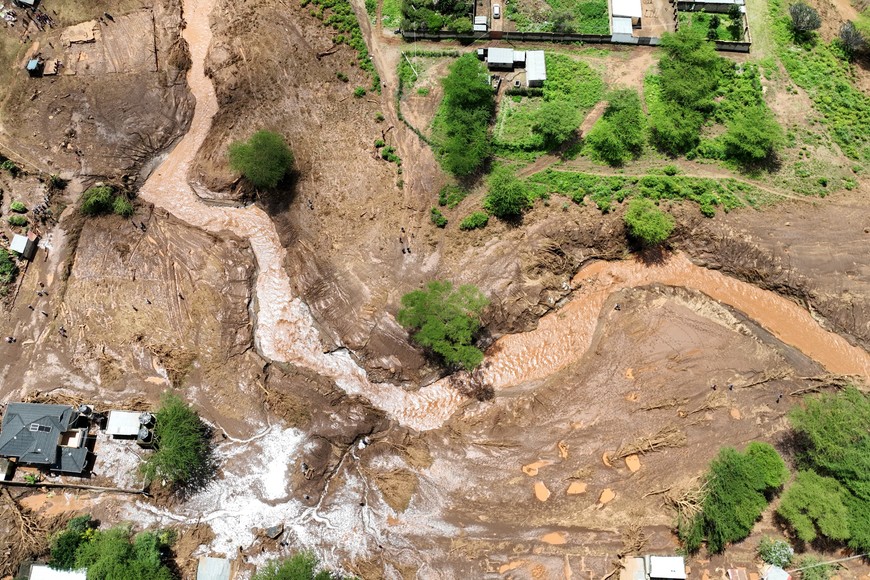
(618, 136)
(445, 320)
(437, 217)
(115, 554)
(464, 115)
(18, 207)
(647, 223)
(836, 444)
(122, 206)
(98, 200)
(775, 552)
(184, 455)
(8, 268)
(263, 160)
(436, 14)
(738, 487)
(451, 196)
(65, 544)
(17, 220)
(813, 505)
(804, 18)
(813, 568)
(474, 221)
(753, 135)
(507, 198)
(556, 122)
(851, 38)
(302, 566)
(10, 166)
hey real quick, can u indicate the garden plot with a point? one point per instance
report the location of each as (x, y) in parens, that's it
(714, 26)
(575, 16)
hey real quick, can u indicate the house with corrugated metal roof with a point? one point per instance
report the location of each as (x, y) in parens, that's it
(48, 436)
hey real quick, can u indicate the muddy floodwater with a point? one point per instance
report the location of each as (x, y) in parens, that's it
(286, 331)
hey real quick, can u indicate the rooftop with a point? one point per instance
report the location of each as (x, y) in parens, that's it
(32, 433)
(503, 56)
(668, 567)
(536, 66)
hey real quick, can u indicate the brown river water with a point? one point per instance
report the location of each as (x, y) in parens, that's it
(285, 329)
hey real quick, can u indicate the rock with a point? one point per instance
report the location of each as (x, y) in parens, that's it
(555, 538)
(541, 491)
(274, 532)
(735, 413)
(632, 462)
(606, 496)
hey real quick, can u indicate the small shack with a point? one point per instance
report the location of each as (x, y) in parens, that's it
(775, 573)
(666, 568)
(34, 67)
(536, 68)
(500, 58)
(43, 572)
(480, 24)
(628, 9)
(123, 424)
(24, 245)
(213, 569)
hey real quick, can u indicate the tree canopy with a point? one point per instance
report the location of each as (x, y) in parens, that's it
(507, 198)
(753, 135)
(647, 223)
(804, 18)
(445, 320)
(464, 115)
(184, 454)
(619, 133)
(263, 160)
(737, 491)
(556, 121)
(813, 505)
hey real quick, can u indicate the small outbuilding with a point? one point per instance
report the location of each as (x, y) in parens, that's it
(24, 245)
(500, 58)
(43, 572)
(536, 68)
(213, 569)
(34, 67)
(123, 424)
(628, 9)
(666, 568)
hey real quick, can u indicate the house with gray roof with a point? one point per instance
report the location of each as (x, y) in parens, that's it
(45, 436)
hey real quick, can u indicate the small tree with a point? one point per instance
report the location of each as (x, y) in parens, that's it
(753, 135)
(184, 455)
(97, 200)
(647, 223)
(851, 39)
(804, 18)
(263, 160)
(507, 198)
(65, 544)
(445, 320)
(556, 122)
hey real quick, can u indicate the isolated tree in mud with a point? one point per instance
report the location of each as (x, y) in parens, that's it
(647, 223)
(445, 321)
(184, 454)
(263, 160)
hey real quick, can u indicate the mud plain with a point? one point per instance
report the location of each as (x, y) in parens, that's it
(276, 320)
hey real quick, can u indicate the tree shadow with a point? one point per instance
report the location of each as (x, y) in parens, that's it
(770, 164)
(649, 255)
(277, 201)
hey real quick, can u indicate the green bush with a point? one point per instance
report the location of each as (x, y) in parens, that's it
(473, 221)
(64, 544)
(379, 117)
(647, 223)
(184, 455)
(379, 143)
(263, 160)
(341, 76)
(462, 122)
(556, 122)
(812, 568)
(122, 206)
(619, 134)
(17, 220)
(753, 135)
(437, 217)
(507, 198)
(445, 321)
(813, 505)
(56, 182)
(775, 552)
(738, 486)
(451, 196)
(97, 200)
(359, 92)
(302, 566)
(114, 554)
(18, 207)
(10, 166)
(8, 268)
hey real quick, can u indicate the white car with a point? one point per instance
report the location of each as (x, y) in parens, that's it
(496, 11)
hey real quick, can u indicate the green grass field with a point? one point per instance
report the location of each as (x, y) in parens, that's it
(577, 16)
